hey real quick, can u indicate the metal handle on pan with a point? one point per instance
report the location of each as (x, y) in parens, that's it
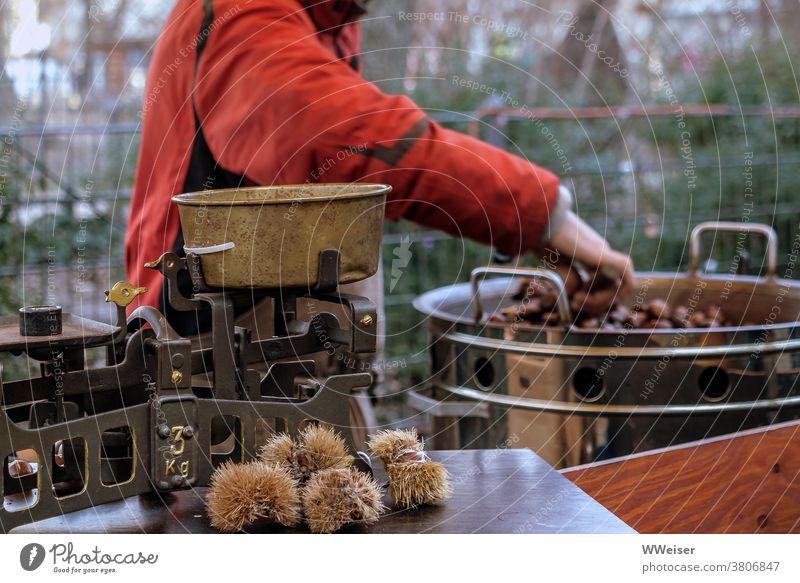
(208, 250)
(765, 230)
(480, 273)
(597, 409)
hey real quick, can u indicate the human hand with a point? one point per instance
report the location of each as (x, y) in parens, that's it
(611, 283)
(611, 274)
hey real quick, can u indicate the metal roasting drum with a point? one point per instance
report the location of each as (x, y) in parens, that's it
(271, 236)
(569, 392)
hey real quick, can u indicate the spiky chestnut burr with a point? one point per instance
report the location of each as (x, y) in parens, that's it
(414, 479)
(279, 450)
(325, 448)
(335, 497)
(390, 444)
(317, 448)
(242, 493)
(418, 482)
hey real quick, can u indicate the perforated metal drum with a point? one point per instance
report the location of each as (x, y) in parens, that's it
(568, 392)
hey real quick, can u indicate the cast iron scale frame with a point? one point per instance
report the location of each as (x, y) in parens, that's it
(146, 421)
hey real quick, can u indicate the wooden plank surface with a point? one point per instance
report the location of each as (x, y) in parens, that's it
(495, 491)
(747, 482)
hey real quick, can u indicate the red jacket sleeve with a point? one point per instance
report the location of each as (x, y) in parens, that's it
(278, 107)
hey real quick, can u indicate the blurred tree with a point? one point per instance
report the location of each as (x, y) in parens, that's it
(529, 50)
(7, 97)
(587, 66)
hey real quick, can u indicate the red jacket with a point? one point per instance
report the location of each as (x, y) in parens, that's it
(279, 100)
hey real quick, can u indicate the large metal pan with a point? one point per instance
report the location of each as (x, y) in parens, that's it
(271, 236)
(652, 387)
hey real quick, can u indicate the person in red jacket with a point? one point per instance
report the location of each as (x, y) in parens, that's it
(266, 92)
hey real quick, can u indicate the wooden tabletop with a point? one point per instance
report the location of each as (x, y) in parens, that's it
(509, 491)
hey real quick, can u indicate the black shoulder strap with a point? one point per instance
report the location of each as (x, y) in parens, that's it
(204, 173)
